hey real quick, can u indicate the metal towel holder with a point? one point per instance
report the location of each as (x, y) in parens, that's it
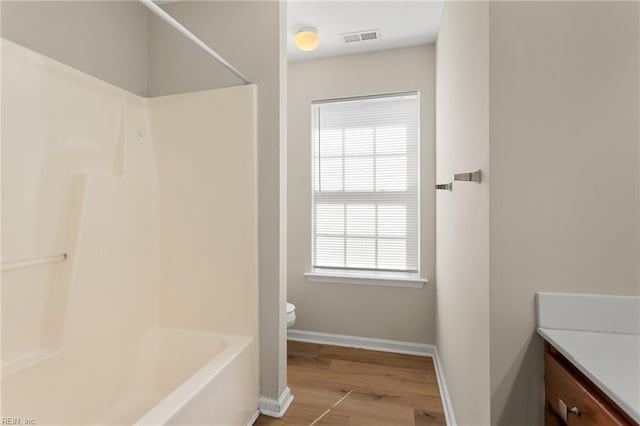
(461, 177)
(469, 176)
(444, 186)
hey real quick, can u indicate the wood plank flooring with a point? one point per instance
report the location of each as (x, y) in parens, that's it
(379, 388)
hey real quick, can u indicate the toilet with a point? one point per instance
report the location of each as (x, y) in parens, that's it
(291, 314)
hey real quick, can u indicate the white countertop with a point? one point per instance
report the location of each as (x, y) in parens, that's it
(610, 360)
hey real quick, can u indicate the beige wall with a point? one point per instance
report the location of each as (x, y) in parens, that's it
(250, 35)
(564, 165)
(564, 202)
(462, 236)
(381, 312)
(107, 39)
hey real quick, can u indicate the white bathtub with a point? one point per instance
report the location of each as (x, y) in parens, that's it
(99, 174)
(172, 377)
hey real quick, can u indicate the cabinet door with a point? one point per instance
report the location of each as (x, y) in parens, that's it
(551, 418)
(563, 386)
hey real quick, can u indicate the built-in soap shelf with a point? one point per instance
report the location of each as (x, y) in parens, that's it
(15, 364)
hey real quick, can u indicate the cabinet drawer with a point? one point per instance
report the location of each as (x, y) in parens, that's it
(563, 383)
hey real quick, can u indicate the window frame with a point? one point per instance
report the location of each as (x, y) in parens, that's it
(365, 276)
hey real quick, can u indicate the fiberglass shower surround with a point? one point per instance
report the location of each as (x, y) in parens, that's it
(151, 317)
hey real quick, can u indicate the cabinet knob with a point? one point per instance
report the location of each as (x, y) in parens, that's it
(564, 410)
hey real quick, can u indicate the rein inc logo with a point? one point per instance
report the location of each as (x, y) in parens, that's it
(18, 421)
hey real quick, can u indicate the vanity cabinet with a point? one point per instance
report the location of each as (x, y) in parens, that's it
(572, 399)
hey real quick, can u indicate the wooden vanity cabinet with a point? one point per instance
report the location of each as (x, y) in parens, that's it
(572, 399)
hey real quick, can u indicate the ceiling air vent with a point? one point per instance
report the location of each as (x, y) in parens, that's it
(360, 36)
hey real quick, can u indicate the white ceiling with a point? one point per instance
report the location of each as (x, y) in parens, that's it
(401, 23)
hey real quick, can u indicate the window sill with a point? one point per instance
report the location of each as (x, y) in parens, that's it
(363, 278)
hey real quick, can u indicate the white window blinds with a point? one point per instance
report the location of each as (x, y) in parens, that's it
(366, 183)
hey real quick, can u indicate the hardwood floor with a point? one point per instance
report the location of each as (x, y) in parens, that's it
(339, 386)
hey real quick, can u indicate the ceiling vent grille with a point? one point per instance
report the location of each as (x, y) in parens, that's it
(358, 36)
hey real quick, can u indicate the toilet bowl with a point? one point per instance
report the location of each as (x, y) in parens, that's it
(291, 314)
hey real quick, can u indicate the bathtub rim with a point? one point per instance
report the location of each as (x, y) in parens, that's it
(173, 402)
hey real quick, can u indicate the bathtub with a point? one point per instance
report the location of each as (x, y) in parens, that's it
(170, 377)
(98, 173)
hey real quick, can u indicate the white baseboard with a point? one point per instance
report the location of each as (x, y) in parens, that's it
(253, 418)
(384, 345)
(444, 391)
(276, 407)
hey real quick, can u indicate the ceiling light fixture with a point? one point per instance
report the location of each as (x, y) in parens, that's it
(307, 39)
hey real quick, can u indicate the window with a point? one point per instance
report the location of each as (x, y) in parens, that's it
(366, 185)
